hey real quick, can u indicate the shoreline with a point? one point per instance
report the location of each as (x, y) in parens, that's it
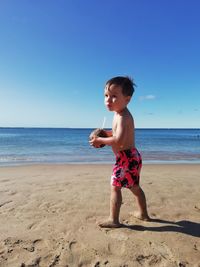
(49, 215)
(145, 163)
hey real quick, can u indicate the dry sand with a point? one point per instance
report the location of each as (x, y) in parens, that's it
(49, 215)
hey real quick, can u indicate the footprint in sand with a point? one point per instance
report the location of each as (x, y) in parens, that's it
(55, 261)
(5, 180)
(4, 203)
(72, 244)
(29, 245)
(161, 253)
(74, 253)
(12, 193)
(31, 226)
(35, 225)
(13, 243)
(33, 263)
(40, 244)
(151, 259)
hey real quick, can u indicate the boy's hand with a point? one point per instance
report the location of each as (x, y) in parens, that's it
(94, 137)
(95, 142)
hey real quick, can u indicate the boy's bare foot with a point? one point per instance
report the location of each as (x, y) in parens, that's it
(143, 217)
(109, 224)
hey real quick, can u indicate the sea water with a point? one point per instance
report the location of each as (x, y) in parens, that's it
(20, 146)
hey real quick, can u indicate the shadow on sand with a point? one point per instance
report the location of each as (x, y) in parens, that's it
(184, 227)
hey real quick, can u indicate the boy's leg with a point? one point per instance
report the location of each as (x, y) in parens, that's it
(141, 200)
(115, 204)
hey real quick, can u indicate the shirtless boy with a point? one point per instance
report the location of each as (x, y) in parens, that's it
(126, 171)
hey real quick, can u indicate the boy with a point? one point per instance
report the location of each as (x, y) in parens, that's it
(126, 171)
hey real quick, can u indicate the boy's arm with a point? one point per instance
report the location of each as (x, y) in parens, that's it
(109, 133)
(112, 139)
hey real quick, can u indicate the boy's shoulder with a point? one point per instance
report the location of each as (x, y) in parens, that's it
(126, 117)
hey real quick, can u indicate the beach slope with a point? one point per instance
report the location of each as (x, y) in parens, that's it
(49, 216)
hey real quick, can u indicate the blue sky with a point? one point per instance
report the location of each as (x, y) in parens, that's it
(55, 57)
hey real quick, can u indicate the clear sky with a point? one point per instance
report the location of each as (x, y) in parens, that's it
(56, 55)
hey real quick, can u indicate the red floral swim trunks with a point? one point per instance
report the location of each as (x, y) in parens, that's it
(126, 171)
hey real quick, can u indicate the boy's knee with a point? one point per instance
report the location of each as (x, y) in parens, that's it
(115, 189)
(136, 190)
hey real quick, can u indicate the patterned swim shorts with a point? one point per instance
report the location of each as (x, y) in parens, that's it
(126, 171)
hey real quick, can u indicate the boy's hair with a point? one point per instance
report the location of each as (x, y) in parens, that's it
(126, 84)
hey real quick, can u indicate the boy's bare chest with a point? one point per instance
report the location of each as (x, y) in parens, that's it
(114, 126)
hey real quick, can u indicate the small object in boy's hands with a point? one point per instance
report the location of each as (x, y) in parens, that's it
(100, 133)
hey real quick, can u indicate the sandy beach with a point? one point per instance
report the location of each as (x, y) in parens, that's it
(49, 216)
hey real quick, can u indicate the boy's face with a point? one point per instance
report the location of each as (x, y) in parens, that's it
(114, 99)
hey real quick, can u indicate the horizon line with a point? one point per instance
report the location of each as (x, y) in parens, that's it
(142, 128)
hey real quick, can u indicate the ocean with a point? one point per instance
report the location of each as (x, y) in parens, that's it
(19, 146)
